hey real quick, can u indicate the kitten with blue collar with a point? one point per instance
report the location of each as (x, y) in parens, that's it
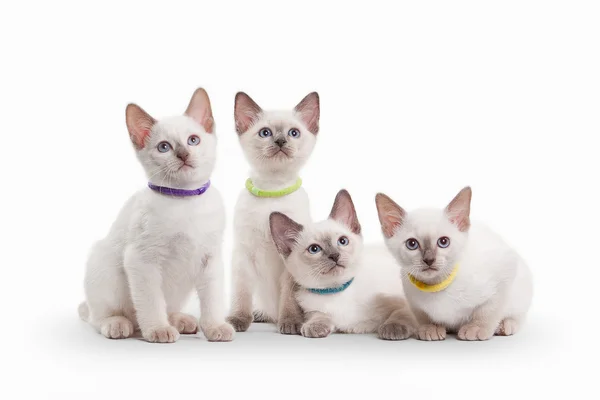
(339, 288)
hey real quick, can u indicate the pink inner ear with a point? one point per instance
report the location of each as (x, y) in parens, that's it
(139, 124)
(246, 112)
(200, 110)
(309, 110)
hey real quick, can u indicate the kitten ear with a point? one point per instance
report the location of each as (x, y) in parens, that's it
(390, 214)
(139, 124)
(284, 232)
(459, 209)
(246, 112)
(200, 110)
(343, 211)
(310, 110)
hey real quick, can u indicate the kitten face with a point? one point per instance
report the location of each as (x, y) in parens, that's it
(324, 254)
(277, 141)
(176, 151)
(426, 243)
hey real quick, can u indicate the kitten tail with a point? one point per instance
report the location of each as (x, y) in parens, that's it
(84, 311)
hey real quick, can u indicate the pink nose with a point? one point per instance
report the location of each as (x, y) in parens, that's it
(183, 156)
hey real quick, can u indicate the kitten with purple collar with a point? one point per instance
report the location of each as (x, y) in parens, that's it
(166, 241)
(458, 275)
(339, 287)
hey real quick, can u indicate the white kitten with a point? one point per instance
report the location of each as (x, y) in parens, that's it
(276, 144)
(336, 286)
(457, 276)
(165, 242)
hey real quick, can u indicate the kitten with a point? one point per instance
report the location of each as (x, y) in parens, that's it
(276, 144)
(163, 244)
(458, 276)
(335, 286)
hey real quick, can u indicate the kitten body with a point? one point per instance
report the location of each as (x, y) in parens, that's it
(372, 301)
(261, 289)
(492, 290)
(161, 247)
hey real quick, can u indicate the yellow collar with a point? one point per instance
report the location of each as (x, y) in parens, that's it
(438, 287)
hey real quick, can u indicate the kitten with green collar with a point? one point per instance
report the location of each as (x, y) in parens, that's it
(340, 287)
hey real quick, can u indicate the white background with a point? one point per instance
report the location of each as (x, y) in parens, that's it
(417, 100)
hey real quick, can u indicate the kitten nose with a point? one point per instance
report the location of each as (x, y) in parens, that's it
(280, 142)
(429, 261)
(334, 257)
(183, 155)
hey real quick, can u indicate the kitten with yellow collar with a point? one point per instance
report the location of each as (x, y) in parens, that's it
(458, 276)
(337, 287)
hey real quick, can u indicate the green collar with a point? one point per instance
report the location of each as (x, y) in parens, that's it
(272, 193)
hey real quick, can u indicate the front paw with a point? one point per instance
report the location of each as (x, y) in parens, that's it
(220, 333)
(290, 326)
(395, 331)
(165, 334)
(474, 332)
(240, 322)
(315, 330)
(431, 332)
(184, 323)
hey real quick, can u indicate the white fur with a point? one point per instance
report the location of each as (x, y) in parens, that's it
(161, 248)
(257, 267)
(493, 281)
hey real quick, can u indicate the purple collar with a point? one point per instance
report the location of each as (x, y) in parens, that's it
(180, 192)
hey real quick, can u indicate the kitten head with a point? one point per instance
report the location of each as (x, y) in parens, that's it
(176, 151)
(277, 141)
(427, 243)
(323, 254)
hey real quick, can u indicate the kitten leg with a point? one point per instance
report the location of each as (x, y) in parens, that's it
(259, 317)
(243, 286)
(507, 327)
(291, 316)
(145, 285)
(317, 325)
(212, 307)
(184, 323)
(398, 320)
(484, 320)
(427, 330)
(117, 327)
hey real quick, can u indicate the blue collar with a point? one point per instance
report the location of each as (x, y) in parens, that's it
(331, 290)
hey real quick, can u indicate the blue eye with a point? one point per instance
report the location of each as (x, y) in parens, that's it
(264, 132)
(314, 248)
(193, 140)
(163, 147)
(443, 242)
(412, 244)
(295, 133)
(343, 241)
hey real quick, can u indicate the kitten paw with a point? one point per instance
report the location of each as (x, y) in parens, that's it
(184, 323)
(259, 317)
(474, 332)
(431, 332)
(394, 331)
(116, 328)
(240, 322)
(315, 330)
(507, 327)
(220, 333)
(165, 334)
(290, 326)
